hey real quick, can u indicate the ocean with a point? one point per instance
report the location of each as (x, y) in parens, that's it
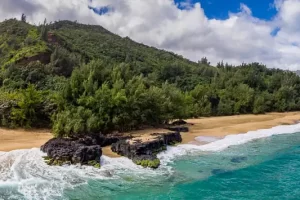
(263, 164)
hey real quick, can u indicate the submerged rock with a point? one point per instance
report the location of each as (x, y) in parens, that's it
(143, 150)
(238, 159)
(218, 171)
(67, 151)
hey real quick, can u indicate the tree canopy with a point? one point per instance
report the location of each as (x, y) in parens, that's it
(82, 79)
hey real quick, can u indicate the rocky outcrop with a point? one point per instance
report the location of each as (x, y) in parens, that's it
(84, 150)
(178, 128)
(87, 150)
(102, 140)
(143, 150)
(67, 151)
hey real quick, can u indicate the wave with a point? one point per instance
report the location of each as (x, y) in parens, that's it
(25, 175)
(24, 172)
(230, 140)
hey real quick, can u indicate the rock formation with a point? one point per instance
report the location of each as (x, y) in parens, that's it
(67, 151)
(143, 150)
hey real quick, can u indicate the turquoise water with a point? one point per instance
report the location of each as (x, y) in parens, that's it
(266, 168)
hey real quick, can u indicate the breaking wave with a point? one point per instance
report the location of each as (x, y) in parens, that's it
(24, 174)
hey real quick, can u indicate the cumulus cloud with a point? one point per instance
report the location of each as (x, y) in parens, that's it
(183, 28)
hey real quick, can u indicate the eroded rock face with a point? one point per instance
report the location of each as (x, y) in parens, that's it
(67, 151)
(144, 152)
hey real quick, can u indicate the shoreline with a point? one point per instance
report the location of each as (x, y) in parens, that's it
(215, 127)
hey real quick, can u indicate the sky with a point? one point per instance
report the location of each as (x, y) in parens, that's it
(232, 31)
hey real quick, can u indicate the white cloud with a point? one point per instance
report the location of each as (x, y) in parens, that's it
(245, 9)
(240, 38)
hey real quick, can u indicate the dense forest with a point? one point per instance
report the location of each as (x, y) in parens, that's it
(83, 79)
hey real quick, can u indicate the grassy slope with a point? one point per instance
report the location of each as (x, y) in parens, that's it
(19, 40)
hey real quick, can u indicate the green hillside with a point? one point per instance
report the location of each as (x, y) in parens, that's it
(82, 79)
(94, 42)
(19, 41)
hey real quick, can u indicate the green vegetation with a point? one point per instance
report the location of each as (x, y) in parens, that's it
(149, 163)
(82, 79)
(94, 163)
(19, 41)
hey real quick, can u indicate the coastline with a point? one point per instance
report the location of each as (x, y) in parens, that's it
(231, 125)
(218, 127)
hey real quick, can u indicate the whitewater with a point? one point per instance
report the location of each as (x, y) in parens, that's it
(24, 174)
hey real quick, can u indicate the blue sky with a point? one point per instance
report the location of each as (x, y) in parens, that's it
(219, 9)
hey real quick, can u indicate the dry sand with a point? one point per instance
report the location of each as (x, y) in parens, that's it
(222, 126)
(211, 126)
(22, 139)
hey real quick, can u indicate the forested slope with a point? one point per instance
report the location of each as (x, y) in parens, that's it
(82, 79)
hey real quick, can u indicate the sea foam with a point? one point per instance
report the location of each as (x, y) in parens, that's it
(230, 140)
(24, 172)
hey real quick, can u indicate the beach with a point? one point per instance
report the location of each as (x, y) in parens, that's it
(218, 127)
(13, 139)
(245, 165)
(223, 126)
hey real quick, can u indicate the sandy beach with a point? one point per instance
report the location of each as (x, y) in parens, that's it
(223, 126)
(211, 126)
(22, 139)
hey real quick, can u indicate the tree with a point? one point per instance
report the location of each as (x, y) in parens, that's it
(23, 18)
(204, 61)
(243, 96)
(28, 107)
(201, 102)
(44, 30)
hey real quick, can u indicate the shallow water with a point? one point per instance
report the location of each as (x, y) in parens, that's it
(259, 165)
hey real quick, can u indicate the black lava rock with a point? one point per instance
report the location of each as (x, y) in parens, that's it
(178, 128)
(69, 151)
(144, 153)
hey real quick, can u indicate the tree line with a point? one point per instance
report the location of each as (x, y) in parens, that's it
(129, 86)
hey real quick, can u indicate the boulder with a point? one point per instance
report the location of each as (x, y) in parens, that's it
(69, 151)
